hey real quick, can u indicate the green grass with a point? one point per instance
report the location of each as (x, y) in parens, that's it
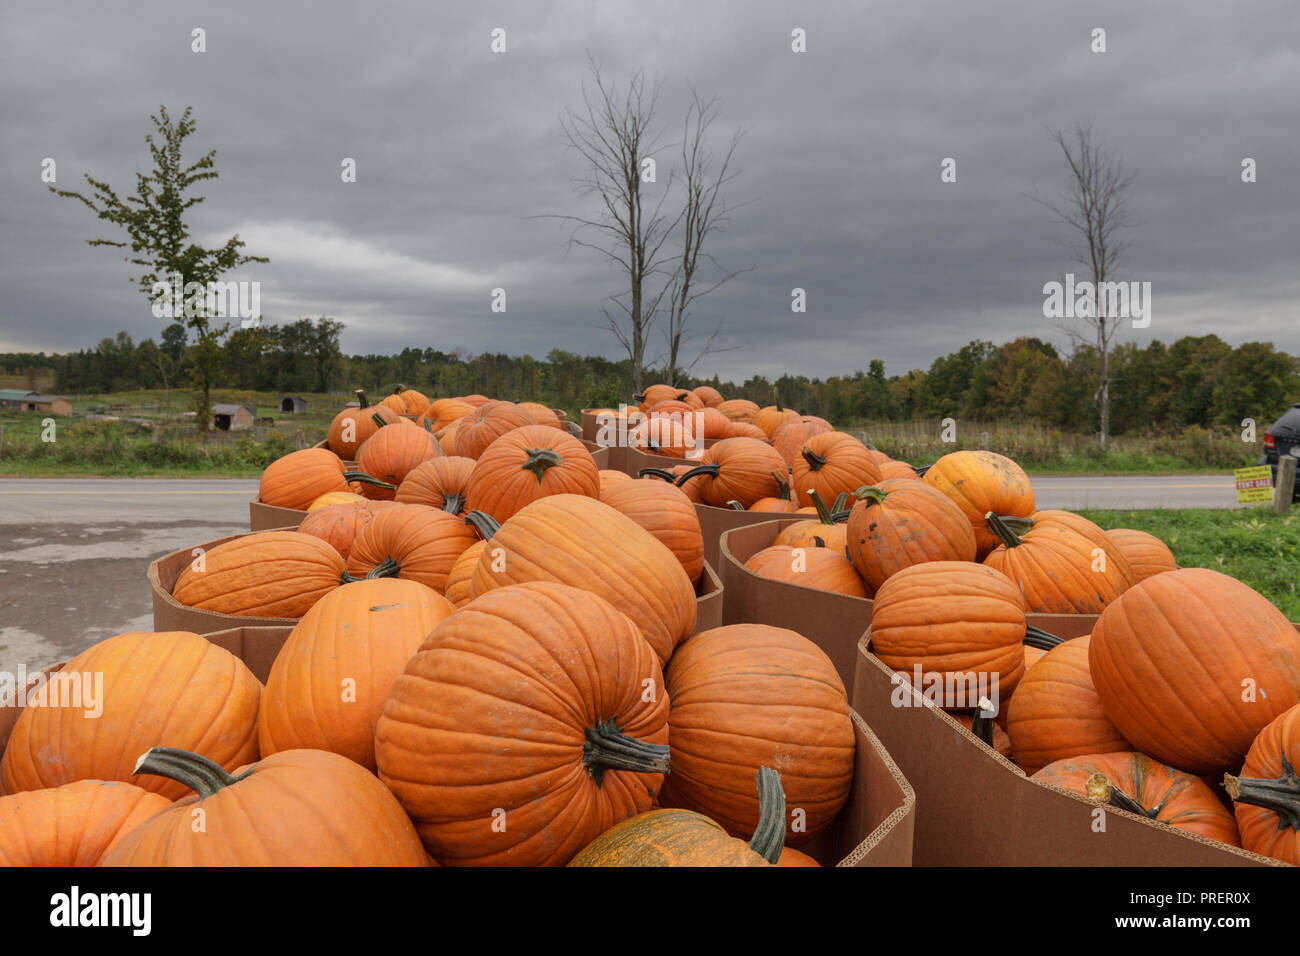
(1252, 544)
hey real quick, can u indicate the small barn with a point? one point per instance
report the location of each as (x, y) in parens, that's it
(233, 418)
(53, 404)
(292, 405)
(13, 397)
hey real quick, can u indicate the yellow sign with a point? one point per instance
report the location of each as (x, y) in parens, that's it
(1254, 484)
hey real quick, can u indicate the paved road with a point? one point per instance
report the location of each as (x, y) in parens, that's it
(73, 552)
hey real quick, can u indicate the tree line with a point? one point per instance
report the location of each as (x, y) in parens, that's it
(1196, 380)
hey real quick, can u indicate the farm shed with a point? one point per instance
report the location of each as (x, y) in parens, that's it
(32, 402)
(292, 405)
(233, 417)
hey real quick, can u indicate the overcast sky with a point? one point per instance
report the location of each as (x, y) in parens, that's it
(457, 146)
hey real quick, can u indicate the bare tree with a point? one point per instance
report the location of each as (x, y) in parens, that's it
(704, 211)
(1094, 203)
(613, 134)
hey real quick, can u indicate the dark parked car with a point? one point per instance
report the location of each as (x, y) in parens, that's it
(1283, 438)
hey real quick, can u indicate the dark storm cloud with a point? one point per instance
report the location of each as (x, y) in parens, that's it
(457, 147)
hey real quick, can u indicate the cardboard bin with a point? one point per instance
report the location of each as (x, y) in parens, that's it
(263, 517)
(975, 808)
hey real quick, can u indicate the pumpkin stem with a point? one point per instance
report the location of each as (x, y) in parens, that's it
(697, 470)
(656, 473)
(871, 493)
(379, 419)
(362, 401)
(1101, 790)
(1017, 524)
(638, 397)
(483, 523)
(454, 503)
(606, 747)
(205, 777)
(539, 459)
(825, 515)
(815, 461)
(574, 430)
(782, 484)
(998, 525)
(769, 836)
(735, 505)
(981, 724)
(1282, 795)
(365, 479)
(922, 469)
(839, 504)
(1037, 637)
(387, 568)
(398, 389)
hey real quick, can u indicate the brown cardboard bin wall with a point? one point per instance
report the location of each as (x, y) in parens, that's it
(975, 808)
(272, 518)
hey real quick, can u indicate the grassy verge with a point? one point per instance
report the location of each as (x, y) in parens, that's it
(1253, 545)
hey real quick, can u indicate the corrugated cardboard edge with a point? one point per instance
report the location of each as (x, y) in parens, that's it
(170, 614)
(976, 808)
(878, 786)
(257, 647)
(710, 600)
(271, 518)
(715, 522)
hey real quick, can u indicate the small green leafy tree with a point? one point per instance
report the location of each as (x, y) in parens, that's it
(154, 219)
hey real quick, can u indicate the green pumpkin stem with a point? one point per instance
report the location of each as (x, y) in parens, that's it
(656, 473)
(203, 776)
(769, 836)
(839, 504)
(782, 485)
(483, 523)
(540, 459)
(1282, 795)
(871, 493)
(1101, 791)
(365, 479)
(453, 503)
(922, 469)
(362, 401)
(1004, 531)
(1017, 524)
(697, 470)
(1037, 637)
(825, 515)
(606, 748)
(815, 461)
(379, 419)
(387, 568)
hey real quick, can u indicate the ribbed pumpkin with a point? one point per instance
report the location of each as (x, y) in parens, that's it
(662, 509)
(1058, 570)
(293, 808)
(1146, 554)
(781, 503)
(329, 681)
(739, 410)
(789, 439)
(713, 423)
(300, 477)
(980, 482)
(338, 525)
(352, 426)
(1191, 665)
(439, 483)
(744, 430)
(610, 477)
(832, 463)
(747, 696)
(542, 415)
(476, 400)
(392, 453)
(899, 522)
(687, 838)
(951, 618)
(823, 532)
(709, 395)
(896, 469)
(72, 825)
(581, 542)
(772, 417)
(443, 411)
(1081, 525)
(414, 542)
(334, 498)
(263, 574)
(538, 706)
(529, 463)
(1267, 791)
(1134, 782)
(737, 469)
(1056, 712)
(476, 431)
(406, 401)
(171, 684)
(819, 568)
(462, 573)
(447, 441)
(654, 394)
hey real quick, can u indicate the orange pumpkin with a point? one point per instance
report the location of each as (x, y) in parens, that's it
(1146, 554)
(781, 503)
(72, 825)
(826, 531)
(529, 463)
(709, 395)
(980, 482)
(655, 394)
(263, 574)
(610, 477)
(338, 525)
(832, 463)
(542, 415)
(352, 426)
(1059, 571)
(172, 683)
(414, 542)
(439, 483)
(739, 410)
(819, 568)
(462, 573)
(736, 469)
(334, 498)
(406, 401)
(476, 431)
(443, 411)
(392, 453)
(791, 436)
(662, 509)
(896, 469)
(738, 429)
(300, 477)
(1100, 540)
(899, 522)
(571, 744)
(1266, 793)
(772, 417)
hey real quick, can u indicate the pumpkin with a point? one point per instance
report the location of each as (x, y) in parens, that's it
(542, 415)
(529, 463)
(476, 400)
(352, 426)
(1056, 712)
(338, 525)
(832, 463)
(709, 395)
(896, 469)
(329, 681)
(334, 498)
(439, 483)
(899, 522)
(957, 622)
(476, 431)
(744, 430)
(687, 838)
(1081, 525)
(406, 401)
(713, 424)
(1136, 783)
(1266, 793)
(781, 503)
(1146, 554)
(579, 541)
(662, 509)
(413, 542)
(462, 573)
(300, 477)
(790, 437)
(448, 440)
(610, 477)
(72, 825)
(443, 411)
(263, 574)
(174, 684)
(980, 482)
(740, 410)
(394, 452)
(1059, 571)
(538, 705)
(772, 417)
(655, 394)
(791, 857)
(824, 532)
(1191, 665)
(819, 568)
(737, 469)
(293, 808)
(746, 696)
